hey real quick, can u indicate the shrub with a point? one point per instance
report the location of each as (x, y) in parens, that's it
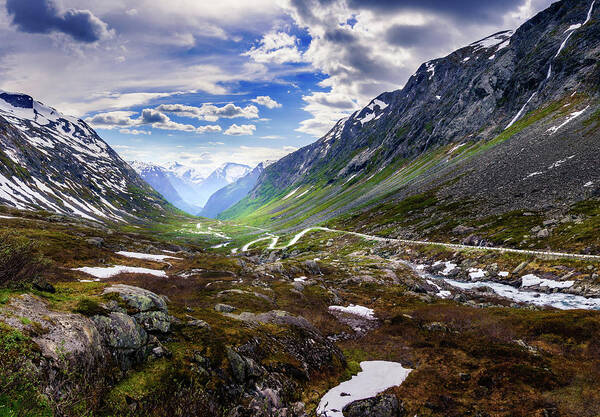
(20, 263)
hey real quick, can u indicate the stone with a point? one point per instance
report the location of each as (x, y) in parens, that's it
(380, 406)
(95, 241)
(237, 365)
(44, 286)
(462, 230)
(520, 267)
(224, 308)
(154, 321)
(312, 267)
(544, 233)
(137, 299)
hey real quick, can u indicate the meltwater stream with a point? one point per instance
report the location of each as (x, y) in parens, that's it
(562, 301)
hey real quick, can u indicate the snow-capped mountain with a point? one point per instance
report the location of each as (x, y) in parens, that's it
(185, 172)
(185, 187)
(169, 184)
(58, 163)
(232, 193)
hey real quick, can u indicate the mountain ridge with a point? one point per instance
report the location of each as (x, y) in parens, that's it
(454, 109)
(58, 163)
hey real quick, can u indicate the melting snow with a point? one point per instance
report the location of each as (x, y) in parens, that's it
(588, 184)
(533, 174)
(357, 310)
(375, 377)
(290, 194)
(145, 256)
(430, 70)
(109, 272)
(476, 273)
(570, 118)
(532, 280)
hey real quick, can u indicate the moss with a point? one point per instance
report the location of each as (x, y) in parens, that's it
(89, 307)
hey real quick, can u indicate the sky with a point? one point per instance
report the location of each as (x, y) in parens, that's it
(208, 82)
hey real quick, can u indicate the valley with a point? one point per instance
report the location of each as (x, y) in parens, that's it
(435, 253)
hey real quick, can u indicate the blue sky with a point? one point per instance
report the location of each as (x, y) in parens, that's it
(204, 83)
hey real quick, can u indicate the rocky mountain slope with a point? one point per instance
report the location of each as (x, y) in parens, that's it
(184, 187)
(54, 162)
(508, 122)
(231, 194)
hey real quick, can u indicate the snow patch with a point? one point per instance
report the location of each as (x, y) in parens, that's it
(531, 280)
(569, 119)
(375, 377)
(146, 256)
(356, 310)
(290, 194)
(108, 272)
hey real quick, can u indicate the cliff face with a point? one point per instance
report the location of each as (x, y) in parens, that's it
(504, 87)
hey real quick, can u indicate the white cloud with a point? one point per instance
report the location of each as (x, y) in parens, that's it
(135, 132)
(112, 120)
(148, 117)
(241, 130)
(266, 101)
(210, 112)
(278, 48)
(208, 129)
(272, 137)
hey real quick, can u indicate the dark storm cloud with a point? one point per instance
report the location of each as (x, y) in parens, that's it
(42, 16)
(474, 11)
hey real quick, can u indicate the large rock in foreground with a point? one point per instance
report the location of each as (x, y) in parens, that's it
(380, 406)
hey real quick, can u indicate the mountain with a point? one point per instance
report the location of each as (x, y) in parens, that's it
(219, 178)
(232, 193)
(186, 188)
(58, 163)
(508, 123)
(162, 180)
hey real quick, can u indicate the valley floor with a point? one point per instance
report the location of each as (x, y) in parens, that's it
(199, 317)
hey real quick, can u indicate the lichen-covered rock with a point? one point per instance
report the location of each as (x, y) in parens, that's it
(138, 299)
(224, 308)
(380, 406)
(60, 336)
(120, 331)
(154, 321)
(124, 338)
